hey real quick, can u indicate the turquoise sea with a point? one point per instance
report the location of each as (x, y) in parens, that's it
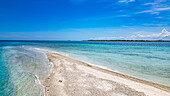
(23, 64)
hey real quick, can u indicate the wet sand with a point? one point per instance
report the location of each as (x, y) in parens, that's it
(75, 78)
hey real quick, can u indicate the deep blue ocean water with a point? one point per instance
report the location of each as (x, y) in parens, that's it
(21, 65)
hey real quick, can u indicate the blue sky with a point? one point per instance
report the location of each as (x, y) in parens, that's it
(84, 19)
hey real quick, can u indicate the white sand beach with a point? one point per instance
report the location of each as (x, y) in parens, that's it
(75, 78)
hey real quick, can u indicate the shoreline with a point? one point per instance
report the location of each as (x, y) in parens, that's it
(51, 57)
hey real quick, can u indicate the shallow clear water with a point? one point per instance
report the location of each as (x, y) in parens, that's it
(21, 68)
(20, 62)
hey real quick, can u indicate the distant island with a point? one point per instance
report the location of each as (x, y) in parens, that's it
(129, 40)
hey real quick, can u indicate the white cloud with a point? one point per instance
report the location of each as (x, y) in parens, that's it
(148, 11)
(156, 7)
(149, 4)
(163, 9)
(126, 1)
(164, 35)
(155, 10)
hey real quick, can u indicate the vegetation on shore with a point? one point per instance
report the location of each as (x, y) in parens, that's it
(129, 40)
